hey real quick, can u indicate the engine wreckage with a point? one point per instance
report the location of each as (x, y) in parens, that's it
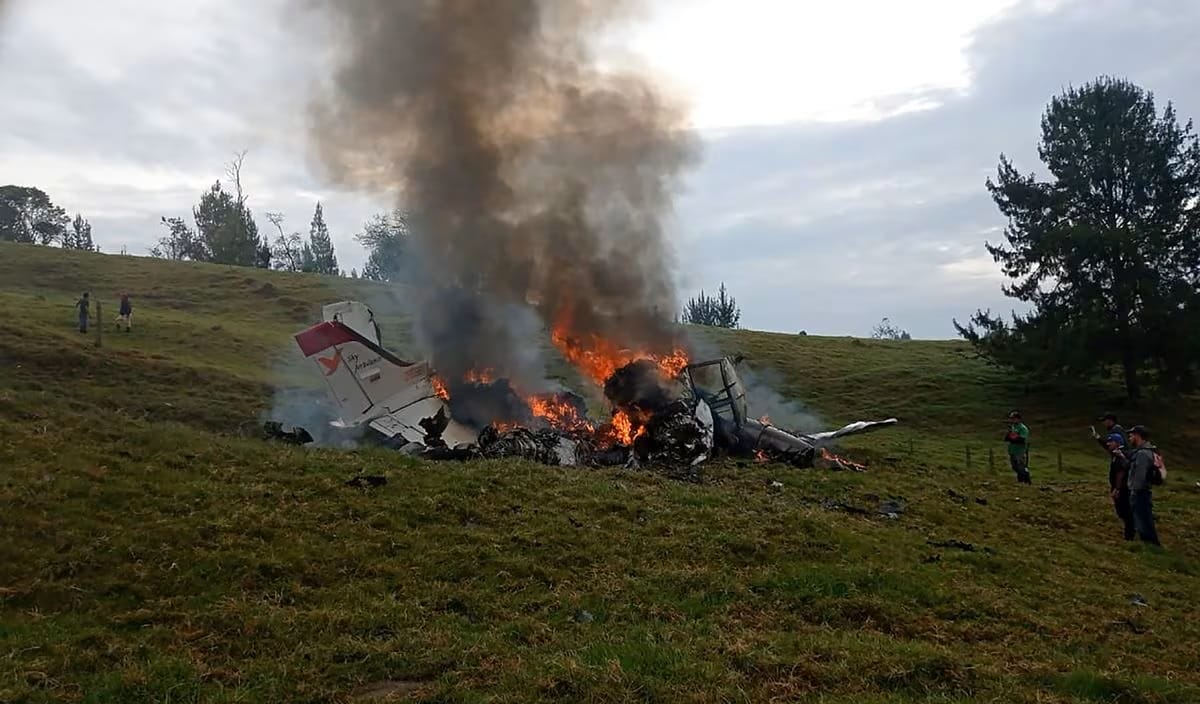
(672, 414)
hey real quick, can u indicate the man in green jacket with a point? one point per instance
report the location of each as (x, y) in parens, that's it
(1017, 439)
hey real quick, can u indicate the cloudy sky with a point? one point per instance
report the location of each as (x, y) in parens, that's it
(846, 144)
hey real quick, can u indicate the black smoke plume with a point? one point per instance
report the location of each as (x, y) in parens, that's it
(536, 179)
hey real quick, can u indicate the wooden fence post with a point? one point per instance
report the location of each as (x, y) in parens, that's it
(991, 460)
(910, 446)
(99, 325)
(968, 456)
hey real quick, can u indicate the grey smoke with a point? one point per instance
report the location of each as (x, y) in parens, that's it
(761, 383)
(536, 180)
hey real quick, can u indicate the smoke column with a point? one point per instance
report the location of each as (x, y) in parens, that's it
(536, 180)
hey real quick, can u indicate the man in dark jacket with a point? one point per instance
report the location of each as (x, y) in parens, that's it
(1142, 476)
(125, 313)
(1118, 486)
(84, 306)
(1111, 427)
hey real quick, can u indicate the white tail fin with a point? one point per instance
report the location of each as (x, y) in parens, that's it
(366, 382)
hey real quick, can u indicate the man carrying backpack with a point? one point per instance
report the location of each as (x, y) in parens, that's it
(1145, 470)
(1017, 438)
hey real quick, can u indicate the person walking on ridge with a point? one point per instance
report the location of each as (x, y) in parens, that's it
(125, 314)
(1017, 439)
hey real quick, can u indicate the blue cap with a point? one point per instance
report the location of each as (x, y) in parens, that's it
(1115, 437)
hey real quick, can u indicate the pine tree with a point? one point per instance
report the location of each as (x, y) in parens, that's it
(720, 311)
(324, 261)
(1107, 252)
(227, 228)
(80, 235)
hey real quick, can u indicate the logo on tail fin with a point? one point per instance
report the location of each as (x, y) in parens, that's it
(330, 364)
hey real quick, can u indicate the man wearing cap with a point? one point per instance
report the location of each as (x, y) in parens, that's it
(1111, 427)
(1141, 477)
(1118, 481)
(1017, 438)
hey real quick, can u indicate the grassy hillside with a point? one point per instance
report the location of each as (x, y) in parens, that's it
(150, 550)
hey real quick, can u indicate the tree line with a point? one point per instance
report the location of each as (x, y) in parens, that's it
(225, 232)
(1105, 253)
(27, 215)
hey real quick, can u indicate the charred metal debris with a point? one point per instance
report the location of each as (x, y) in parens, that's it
(672, 425)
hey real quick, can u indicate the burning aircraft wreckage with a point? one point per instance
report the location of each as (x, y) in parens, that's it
(666, 411)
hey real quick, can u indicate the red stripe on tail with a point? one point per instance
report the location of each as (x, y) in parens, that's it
(322, 336)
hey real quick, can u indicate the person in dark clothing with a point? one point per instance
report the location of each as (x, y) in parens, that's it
(1118, 482)
(1111, 427)
(84, 306)
(1017, 439)
(1141, 476)
(125, 314)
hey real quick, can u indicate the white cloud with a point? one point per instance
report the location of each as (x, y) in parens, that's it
(774, 61)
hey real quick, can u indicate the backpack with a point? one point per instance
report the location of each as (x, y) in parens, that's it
(1159, 475)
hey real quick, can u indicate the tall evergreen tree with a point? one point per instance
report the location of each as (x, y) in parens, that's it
(1107, 252)
(80, 235)
(323, 261)
(226, 227)
(720, 311)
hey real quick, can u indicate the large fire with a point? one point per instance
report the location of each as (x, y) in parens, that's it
(559, 413)
(599, 358)
(622, 429)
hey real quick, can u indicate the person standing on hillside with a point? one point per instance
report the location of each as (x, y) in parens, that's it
(125, 314)
(84, 306)
(1017, 439)
(1111, 427)
(1143, 474)
(1118, 481)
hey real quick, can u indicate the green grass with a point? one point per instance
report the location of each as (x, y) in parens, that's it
(151, 551)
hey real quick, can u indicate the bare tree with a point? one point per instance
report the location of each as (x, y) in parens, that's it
(885, 330)
(288, 249)
(234, 171)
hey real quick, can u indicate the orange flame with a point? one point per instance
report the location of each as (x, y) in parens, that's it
(439, 387)
(599, 358)
(559, 414)
(765, 420)
(623, 430)
(761, 457)
(842, 462)
(481, 377)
